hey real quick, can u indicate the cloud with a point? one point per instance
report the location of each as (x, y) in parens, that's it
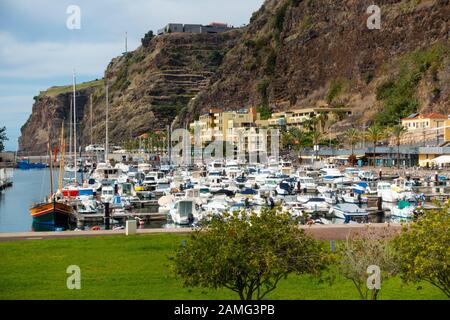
(43, 60)
(37, 50)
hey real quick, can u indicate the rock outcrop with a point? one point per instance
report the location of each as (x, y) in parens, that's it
(293, 53)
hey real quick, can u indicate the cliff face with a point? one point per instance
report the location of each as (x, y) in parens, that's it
(298, 53)
(50, 110)
(294, 53)
(148, 88)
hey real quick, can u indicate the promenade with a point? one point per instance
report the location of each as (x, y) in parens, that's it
(319, 232)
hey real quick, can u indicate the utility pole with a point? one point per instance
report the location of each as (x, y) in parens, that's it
(126, 42)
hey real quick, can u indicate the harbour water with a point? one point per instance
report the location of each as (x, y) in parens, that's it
(33, 186)
(29, 187)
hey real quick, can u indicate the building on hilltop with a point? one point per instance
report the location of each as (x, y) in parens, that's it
(213, 27)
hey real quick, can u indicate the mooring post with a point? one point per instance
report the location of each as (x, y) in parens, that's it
(107, 216)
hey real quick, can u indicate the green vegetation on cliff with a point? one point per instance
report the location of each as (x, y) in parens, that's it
(399, 93)
(54, 91)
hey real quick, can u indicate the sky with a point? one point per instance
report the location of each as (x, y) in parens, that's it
(38, 50)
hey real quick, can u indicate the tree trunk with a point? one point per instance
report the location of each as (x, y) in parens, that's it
(374, 154)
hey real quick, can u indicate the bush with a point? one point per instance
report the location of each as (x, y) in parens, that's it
(147, 39)
(248, 254)
(423, 249)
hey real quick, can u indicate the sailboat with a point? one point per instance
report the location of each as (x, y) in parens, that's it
(53, 213)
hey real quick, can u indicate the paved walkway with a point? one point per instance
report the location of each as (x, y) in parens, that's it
(319, 232)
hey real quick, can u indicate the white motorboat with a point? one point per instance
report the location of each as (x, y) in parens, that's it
(307, 182)
(389, 193)
(354, 197)
(284, 188)
(107, 194)
(404, 210)
(184, 212)
(314, 204)
(349, 212)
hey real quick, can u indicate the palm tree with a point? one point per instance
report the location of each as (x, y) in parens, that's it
(316, 137)
(297, 138)
(322, 120)
(375, 134)
(352, 136)
(398, 132)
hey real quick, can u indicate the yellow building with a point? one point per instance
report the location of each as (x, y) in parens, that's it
(279, 119)
(426, 127)
(217, 125)
(297, 117)
(424, 121)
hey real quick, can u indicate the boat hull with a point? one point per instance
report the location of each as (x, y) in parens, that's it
(54, 214)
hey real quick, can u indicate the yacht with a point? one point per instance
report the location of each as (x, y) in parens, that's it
(307, 182)
(349, 212)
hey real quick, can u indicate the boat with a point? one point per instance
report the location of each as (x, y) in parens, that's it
(388, 192)
(354, 197)
(349, 212)
(184, 212)
(404, 209)
(55, 214)
(307, 183)
(284, 188)
(25, 164)
(314, 203)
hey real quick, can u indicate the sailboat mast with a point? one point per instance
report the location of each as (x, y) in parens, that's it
(107, 120)
(74, 129)
(62, 147)
(51, 169)
(70, 126)
(91, 121)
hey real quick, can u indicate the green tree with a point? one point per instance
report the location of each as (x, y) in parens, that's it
(3, 138)
(397, 132)
(423, 249)
(371, 247)
(298, 139)
(248, 254)
(375, 134)
(147, 38)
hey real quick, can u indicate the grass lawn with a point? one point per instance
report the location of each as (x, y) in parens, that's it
(138, 268)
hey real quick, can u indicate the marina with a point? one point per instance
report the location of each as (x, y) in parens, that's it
(182, 197)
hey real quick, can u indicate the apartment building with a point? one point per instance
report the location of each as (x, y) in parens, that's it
(299, 116)
(423, 128)
(218, 125)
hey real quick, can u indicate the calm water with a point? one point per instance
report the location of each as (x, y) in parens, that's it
(29, 186)
(32, 186)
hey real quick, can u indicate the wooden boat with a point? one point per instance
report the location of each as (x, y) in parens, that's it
(54, 213)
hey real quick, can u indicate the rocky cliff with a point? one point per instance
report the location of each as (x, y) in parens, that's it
(148, 88)
(293, 53)
(300, 53)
